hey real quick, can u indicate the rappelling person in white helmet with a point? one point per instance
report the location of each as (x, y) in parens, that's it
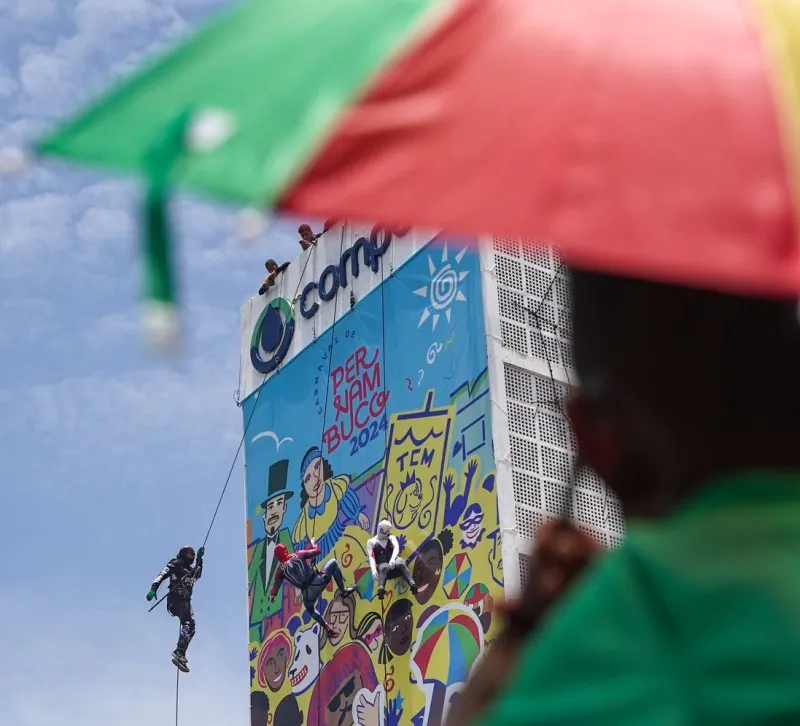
(384, 558)
(182, 574)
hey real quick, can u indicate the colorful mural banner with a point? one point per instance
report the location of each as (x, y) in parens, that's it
(385, 416)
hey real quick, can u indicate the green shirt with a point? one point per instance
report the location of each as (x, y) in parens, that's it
(694, 620)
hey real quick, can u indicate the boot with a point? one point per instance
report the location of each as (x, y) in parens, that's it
(413, 587)
(348, 591)
(330, 631)
(381, 593)
(179, 660)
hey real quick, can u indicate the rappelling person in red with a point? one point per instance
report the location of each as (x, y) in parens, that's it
(182, 576)
(298, 571)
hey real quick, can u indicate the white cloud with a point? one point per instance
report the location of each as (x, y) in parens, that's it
(24, 320)
(112, 330)
(100, 226)
(85, 57)
(46, 77)
(98, 18)
(108, 453)
(32, 11)
(192, 402)
(21, 131)
(34, 224)
(112, 193)
(8, 84)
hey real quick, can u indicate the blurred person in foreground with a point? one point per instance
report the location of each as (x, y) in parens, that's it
(689, 408)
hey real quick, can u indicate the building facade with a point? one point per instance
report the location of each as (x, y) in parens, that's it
(414, 377)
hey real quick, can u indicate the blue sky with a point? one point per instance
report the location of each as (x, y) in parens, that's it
(111, 458)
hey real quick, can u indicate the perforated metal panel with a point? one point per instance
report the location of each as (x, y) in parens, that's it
(543, 456)
(524, 568)
(533, 301)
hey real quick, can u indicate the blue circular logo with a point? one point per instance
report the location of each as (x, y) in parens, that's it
(272, 335)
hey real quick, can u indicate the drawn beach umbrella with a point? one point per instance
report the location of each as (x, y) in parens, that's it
(658, 138)
(449, 643)
(477, 594)
(457, 575)
(365, 582)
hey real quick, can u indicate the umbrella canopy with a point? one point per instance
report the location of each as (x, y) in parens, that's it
(647, 137)
(457, 575)
(448, 645)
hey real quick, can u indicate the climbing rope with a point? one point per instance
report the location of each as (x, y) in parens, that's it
(564, 515)
(258, 399)
(233, 464)
(255, 405)
(177, 690)
(322, 431)
(385, 452)
(327, 391)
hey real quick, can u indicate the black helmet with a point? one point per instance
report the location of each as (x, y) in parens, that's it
(186, 553)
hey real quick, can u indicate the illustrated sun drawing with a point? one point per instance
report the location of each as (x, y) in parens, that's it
(443, 289)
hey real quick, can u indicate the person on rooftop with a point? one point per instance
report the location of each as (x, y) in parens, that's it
(307, 236)
(273, 270)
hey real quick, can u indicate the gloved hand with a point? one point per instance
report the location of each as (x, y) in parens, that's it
(151, 594)
(200, 553)
(392, 562)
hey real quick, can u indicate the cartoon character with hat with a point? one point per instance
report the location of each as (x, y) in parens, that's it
(263, 563)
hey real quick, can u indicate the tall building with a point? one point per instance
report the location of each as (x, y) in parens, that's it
(414, 377)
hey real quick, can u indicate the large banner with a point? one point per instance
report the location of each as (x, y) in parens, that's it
(385, 416)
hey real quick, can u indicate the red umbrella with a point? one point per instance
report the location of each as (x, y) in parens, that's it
(649, 137)
(642, 137)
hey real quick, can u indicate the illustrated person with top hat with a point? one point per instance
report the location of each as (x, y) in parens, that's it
(263, 564)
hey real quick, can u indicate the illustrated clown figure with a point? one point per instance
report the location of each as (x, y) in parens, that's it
(327, 505)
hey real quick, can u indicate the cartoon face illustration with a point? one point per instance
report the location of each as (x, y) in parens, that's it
(288, 712)
(370, 631)
(496, 557)
(399, 627)
(428, 570)
(409, 500)
(373, 636)
(340, 616)
(305, 666)
(259, 708)
(471, 526)
(348, 671)
(273, 660)
(314, 476)
(339, 711)
(273, 514)
(481, 603)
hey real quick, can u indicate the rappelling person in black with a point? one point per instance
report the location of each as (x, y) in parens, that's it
(182, 573)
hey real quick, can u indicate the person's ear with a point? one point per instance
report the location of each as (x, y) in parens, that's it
(598, 441)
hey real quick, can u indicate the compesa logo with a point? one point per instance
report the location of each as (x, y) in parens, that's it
(272, 335)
